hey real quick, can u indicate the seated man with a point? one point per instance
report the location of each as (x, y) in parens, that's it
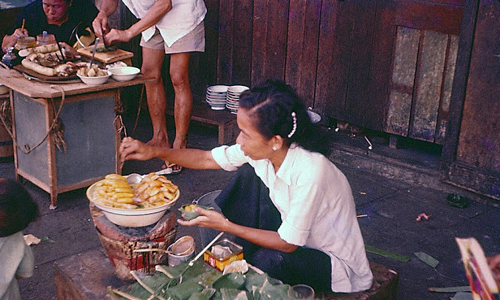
(57, 17)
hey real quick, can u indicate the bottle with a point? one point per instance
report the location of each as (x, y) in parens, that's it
(9, 57)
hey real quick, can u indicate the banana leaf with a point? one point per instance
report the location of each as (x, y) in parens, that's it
(153, 284)
(182, 291)
(270, 291)
(230, 281)
(198, 268)
(190, 214)
(131, 292)
(256, 279)
(234, 294)
(208, 278)
(201, 281)
(206, 294)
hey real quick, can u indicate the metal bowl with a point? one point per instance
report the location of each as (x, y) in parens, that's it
(137, 217)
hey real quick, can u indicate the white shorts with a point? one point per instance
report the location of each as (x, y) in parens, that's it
(194, 41)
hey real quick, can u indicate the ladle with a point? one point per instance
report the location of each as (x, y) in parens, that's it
(136, 178)
(187, 240)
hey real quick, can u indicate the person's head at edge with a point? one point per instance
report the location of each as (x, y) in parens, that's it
(56, 10)
(17, 208)
(271, 115)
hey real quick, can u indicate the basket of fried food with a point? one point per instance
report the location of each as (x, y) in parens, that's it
(134, 204)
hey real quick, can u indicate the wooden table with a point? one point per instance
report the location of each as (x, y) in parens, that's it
(90, 132)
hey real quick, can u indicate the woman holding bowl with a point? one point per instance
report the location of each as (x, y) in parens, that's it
(289, 206)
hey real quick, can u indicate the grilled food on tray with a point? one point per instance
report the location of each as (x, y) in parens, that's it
(48, 60)
(63, 70)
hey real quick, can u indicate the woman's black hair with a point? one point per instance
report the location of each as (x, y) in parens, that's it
(278, 110)
(17, 208)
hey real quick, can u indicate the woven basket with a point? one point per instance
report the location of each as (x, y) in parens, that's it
(124, 259)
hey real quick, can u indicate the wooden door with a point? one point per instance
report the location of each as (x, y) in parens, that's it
(471, 156)
(413, 64)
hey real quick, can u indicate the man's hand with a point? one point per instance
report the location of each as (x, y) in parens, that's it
(70, 52)
(134, 149)
(11, 40)
(100, 24)
(116, 36)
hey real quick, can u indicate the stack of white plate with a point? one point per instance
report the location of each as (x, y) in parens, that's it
(233, 97)
(216, 96)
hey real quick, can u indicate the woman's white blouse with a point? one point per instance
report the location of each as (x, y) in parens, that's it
(184, 16)
(317, 209)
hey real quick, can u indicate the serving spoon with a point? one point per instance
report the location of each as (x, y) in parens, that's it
(93, 52)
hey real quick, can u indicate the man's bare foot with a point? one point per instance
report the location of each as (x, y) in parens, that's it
(158, 143)
(180, 143)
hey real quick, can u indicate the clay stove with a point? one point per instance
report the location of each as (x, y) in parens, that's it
(120, 243)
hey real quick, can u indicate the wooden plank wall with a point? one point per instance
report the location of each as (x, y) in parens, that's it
(279, 39)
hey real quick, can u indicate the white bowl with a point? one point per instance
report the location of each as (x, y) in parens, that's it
(237, 89)
(131, 217)
(124, 73)
(94, 80)
(315, 117)
(217, 89)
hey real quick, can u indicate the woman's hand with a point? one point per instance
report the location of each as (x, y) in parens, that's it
(209, 219)
(134, 149)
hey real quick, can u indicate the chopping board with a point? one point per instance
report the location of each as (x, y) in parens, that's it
(44, 78)
(106, 57)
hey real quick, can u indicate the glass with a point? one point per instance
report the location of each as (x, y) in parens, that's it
(301, 291)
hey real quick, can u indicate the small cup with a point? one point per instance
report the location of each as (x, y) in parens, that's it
(45, 39)
(301, 291)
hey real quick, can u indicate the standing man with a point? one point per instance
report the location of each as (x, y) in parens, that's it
(173, 27)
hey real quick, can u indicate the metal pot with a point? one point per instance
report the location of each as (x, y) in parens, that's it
(185, 246)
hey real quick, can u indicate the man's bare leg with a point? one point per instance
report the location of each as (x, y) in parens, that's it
(179, 73)
(152, 61)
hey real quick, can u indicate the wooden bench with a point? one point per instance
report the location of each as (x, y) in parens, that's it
(223, 119)
(87, 275)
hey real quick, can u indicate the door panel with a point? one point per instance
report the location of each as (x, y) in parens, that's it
(471, 153)
(422, 43)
